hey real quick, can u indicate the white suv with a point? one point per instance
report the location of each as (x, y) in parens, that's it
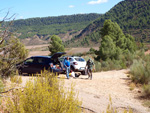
(77, 63)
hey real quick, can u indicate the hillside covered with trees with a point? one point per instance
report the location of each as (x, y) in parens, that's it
(133, 16)
(52, 25)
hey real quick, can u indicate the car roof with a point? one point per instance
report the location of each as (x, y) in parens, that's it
(71, 57)
(40, 57)
(54, 56)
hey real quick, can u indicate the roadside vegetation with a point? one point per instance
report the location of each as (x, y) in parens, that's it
(44, 93)
(140, 72)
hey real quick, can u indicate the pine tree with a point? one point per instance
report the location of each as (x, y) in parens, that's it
(56, 45)
(114, 42)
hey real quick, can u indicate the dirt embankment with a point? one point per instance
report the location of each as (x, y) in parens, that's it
(95, 93)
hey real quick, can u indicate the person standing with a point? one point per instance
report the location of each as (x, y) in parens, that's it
(67, 66)
(90, 65)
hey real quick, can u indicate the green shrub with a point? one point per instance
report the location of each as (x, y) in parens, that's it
(140, 71)
(97, 66)
(45, 94)
(14, 52)
(128, 58)
(137, 70)
(116, 64)
(112, 64)
(104, 64)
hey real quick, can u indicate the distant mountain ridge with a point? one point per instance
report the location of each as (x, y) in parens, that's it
(76, 18)
(133, 16)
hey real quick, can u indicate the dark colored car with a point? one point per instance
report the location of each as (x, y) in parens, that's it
(35, 64)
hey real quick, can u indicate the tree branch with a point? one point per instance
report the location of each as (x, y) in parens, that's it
(11, 89)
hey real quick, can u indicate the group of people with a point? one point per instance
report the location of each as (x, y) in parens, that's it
(88, 70)
(54, 66)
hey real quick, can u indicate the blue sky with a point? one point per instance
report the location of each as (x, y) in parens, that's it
(44, 8)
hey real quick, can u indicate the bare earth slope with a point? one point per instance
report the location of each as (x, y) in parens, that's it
(95, 93)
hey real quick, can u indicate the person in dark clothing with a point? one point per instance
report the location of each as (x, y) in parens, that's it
(90, 65)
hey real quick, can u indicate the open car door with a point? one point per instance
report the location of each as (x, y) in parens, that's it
(57, 55)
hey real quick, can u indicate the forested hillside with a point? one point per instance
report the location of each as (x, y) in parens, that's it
(133, 16)
(52, 25)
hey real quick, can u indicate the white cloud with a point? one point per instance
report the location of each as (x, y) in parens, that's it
(81, 13)
(97, 2)
(21, 17)
(71, 6)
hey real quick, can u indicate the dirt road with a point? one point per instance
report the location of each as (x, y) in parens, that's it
(95, 93)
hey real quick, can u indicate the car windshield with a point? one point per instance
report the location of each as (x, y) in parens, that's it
(29, 60)
(79, 59)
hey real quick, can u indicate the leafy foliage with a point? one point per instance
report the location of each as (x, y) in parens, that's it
(56, 45)
(114, 43)
(140, 71)
(13, 52)
(107, 48)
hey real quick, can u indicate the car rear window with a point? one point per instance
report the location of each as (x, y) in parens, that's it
(79, 59)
